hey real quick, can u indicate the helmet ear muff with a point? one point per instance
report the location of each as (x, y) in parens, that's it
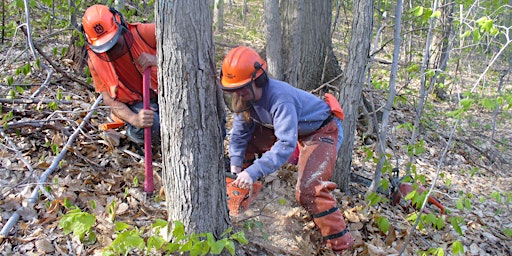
(118, 15)
(261, 80)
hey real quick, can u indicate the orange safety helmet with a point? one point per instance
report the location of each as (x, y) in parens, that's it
(241, 66)
(101, 25)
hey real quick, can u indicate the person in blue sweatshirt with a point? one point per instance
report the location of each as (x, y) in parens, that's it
(272, 118)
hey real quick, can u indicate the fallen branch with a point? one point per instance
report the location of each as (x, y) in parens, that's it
(33, 101)
(35, 193)
(58, 69)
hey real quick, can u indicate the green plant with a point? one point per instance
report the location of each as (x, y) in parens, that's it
(80, 223)
(131, 240)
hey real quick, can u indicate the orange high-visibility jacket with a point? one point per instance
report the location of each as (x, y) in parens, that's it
(105, 77)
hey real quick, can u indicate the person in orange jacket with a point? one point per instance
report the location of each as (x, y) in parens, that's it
(271, 118)
(118, 54)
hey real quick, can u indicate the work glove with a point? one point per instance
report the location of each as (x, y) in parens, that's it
(235, 169)
(243, 180)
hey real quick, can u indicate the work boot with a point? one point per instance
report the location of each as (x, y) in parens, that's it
(333, 229)
(341, 243)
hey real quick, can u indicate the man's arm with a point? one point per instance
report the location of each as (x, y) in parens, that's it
(143, 119)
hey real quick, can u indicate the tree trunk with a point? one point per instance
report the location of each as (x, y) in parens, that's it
(291, 14)
(273, 35)
(308, 22)
(193, 170)
(352, 86)
(442, 55)
(383, 132)
(219, 15)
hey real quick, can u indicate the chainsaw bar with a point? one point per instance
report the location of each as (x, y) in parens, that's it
(359, 179)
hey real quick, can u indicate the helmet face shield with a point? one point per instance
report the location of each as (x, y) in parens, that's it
(234, 98)
(120, 47)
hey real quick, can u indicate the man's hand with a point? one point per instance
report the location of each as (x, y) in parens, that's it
(147, 60)
(144, 118)
(243, 180)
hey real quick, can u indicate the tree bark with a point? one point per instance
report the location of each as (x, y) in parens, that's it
(219, 15)
(192, 166)
(273, 36)
(291, 14)
(307, 43)
(352, 86)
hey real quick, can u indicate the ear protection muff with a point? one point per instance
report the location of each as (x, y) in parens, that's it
(117, 15)
(261, 81)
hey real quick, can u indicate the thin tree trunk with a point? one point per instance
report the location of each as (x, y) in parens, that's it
(193, 170)
(423, 88)
(352, 86)
(383, 133)
(219, 15)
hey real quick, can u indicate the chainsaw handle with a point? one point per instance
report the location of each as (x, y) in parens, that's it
(231, 175)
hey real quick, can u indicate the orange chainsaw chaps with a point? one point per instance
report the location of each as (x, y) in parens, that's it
(239, 199)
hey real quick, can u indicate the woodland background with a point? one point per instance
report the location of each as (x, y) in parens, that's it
(74, 190)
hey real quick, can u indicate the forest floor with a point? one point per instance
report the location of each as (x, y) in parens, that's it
(106, 181)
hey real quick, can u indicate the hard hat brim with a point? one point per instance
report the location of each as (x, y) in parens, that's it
(106, 42)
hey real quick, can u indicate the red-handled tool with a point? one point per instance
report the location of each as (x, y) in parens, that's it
(148, 153)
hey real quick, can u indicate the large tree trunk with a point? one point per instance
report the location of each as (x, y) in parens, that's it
(193, 173)
(352, 86)
(273, 35)
(307, 43)
(291, 15)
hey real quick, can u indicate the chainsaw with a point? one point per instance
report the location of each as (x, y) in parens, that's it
(401, 189)
(239, 199)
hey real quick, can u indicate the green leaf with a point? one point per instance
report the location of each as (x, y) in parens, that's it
(240, 237)
(374, 198)
(120, 226)
(455, 221)
(439, 223)
(77, 222)
(156, 242)
(410, 195)
(507, 232)
(126, 241)
(218, 246)
(383, 224)
(59, 94)
(436, 14)
(430, 218)
(417, 11)
(496, 196)
(230, 246)
(457, 248)
(466, 103)
(10, 80)
(490, 104)
(476, 36)
(179, 230)
(20, 89)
